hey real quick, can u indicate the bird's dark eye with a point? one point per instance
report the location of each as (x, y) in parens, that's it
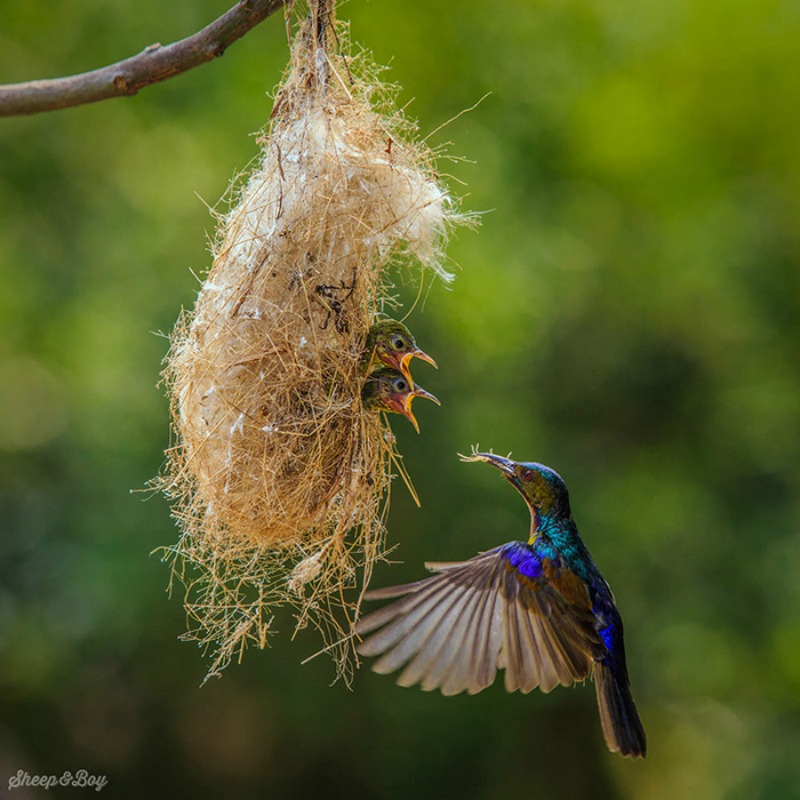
(400, 385)
(399, 343)
(527, 474)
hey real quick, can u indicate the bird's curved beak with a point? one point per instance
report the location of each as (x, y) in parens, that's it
(420, 392)
(406, 360)
(423, 356)
(505, 465)
(405, 409)
(402, 405)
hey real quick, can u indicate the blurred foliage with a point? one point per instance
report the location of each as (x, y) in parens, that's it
(629, 313)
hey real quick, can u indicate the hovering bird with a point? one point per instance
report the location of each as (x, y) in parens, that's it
(387, 389)
(392, 344)
(540, 610)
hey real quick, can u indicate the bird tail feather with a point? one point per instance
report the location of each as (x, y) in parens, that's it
(622, 727)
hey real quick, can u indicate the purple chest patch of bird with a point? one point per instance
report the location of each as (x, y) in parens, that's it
(524, 560)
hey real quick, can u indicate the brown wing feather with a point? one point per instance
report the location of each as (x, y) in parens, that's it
(453, 630)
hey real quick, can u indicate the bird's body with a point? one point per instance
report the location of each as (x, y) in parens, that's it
(540, 610)
(387, 389)
(390, 343)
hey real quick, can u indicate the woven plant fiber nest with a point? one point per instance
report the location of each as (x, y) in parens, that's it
(278, 476)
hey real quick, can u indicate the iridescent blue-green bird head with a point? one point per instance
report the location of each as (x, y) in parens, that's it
(542, 488)
(387, 389)
(391, 343)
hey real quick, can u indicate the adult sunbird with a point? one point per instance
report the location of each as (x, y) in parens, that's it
(392, 344)
(540, 610)
(387, 389)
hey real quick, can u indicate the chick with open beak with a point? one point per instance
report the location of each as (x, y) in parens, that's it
(388, 389)
(391, 343)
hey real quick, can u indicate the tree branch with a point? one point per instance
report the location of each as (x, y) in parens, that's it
(155, 63)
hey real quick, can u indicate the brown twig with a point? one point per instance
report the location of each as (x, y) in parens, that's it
(155, 63)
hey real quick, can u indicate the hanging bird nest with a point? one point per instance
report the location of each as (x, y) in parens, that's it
(278, 477)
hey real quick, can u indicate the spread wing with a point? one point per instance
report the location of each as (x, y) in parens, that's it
(509, 608)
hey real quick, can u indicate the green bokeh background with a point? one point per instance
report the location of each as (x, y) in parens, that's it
(629, 313)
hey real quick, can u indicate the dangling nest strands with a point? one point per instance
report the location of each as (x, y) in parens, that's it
(278, 477)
